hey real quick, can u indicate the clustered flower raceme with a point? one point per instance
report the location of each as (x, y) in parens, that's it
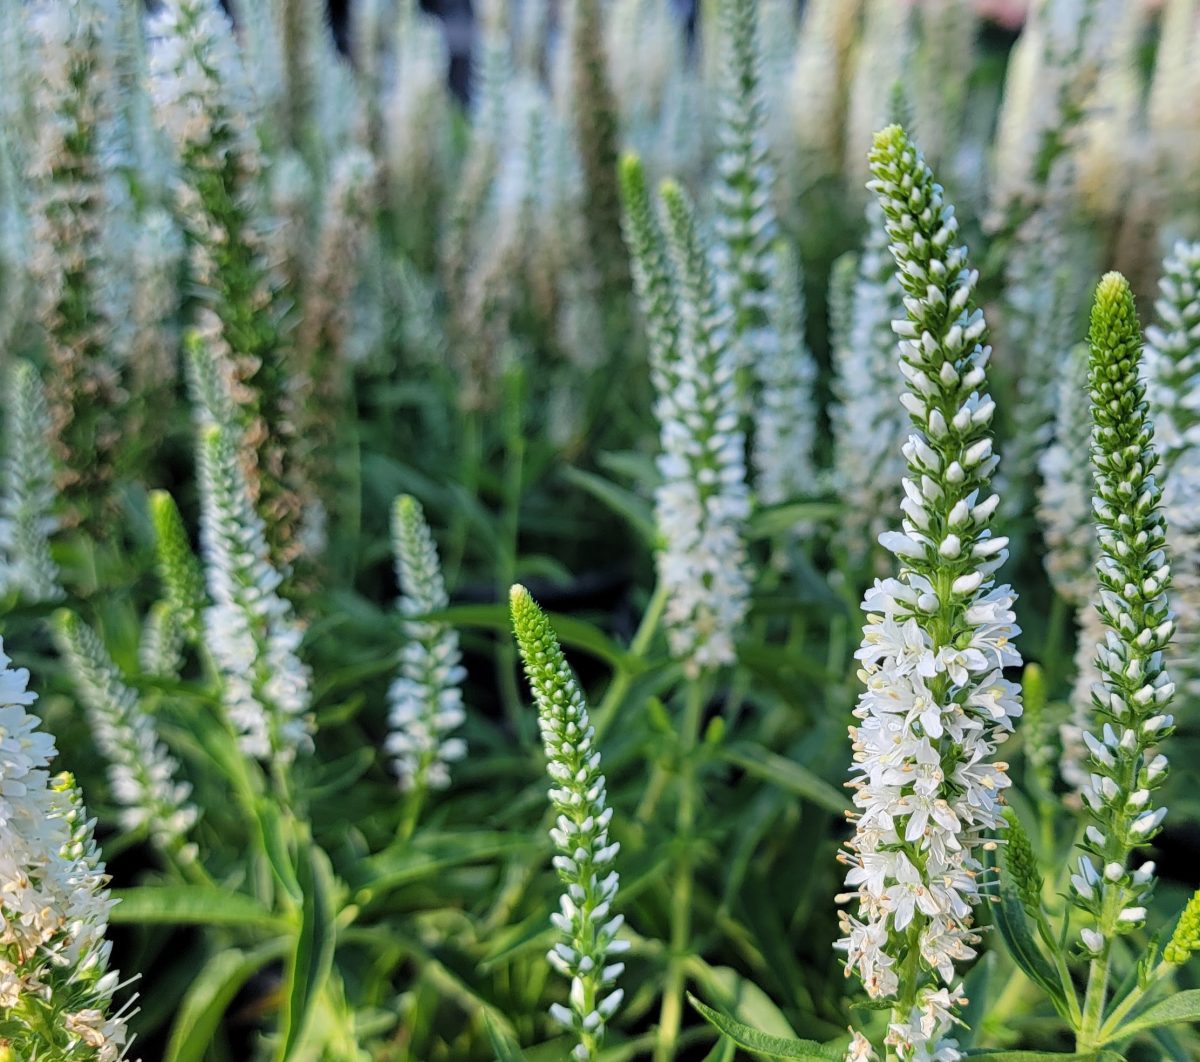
(758, 276)
(744, 219)
(68, 257)
(585, 920)
(869, 424)
(1129, 703)
(175, 620)
(1041, 317)
(250, 627)
(425, 699)
(703, 502)
(55, 986)
(1065, 512)
(785, 421)
(1172, 373)
(203, 103)
(937, 638)
(27, 517)
(141, 771)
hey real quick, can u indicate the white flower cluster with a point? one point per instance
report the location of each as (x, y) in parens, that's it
(70, 261)
(585, 920)
(154, 339)
(1172, 372)
(1065, 490)
(1065, 512)
(1131, 699)
(869, 423)
(936, 641)
(1040, 326)
(785, 423)
(251, 630)
(201, 96)
(703, 501)
(27, 517)
(744, 218)
(415, 111)
(55, 986)
(425, 699)
(1048, 89)
(141, 771)
(204, 105)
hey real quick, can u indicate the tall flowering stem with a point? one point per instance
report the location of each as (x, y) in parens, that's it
(425, 699)
(1130, 702)
(585, 919)
(1173, 391)
(141, 771)
(204, 104)
(176, 619)
(704, 501)
(251, 630)
(55, 985)
(1065, 513)
(594, 120)
(869, 424)
(745, 221)
(927, 792)
(786, 423)
(27, 517)
(73, 102)
(651, 269)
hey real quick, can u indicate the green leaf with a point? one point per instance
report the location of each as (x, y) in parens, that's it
(505, 1050)
(312, 959)
(780, 518)
(787, 774)
(624, 503)
(748, 1003)
(1010, 918)
(428, 854)
(191, 905)
(1183, 1006)
(273, 834)
(1034, 1056)
(210, 994)
(759, 1043)
(576, 633)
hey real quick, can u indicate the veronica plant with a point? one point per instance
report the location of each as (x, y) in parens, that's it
(27, 516)
(869, 424)
(425, 699)
(703, 501)
(585, 921)
(65, 170)
(141, 772)
(204, 105)
(926, 789)
(56, 990)
(1129, 718)
(1065, 513)
(250, 628)
(1172, 369)
(175, 619)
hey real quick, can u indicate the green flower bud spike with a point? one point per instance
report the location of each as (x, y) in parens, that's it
(585, 921)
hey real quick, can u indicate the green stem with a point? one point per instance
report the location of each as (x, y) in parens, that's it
(1088, 1038)
(606, 711)
(671, 1016)
(1110, 1029)
(412, 810)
